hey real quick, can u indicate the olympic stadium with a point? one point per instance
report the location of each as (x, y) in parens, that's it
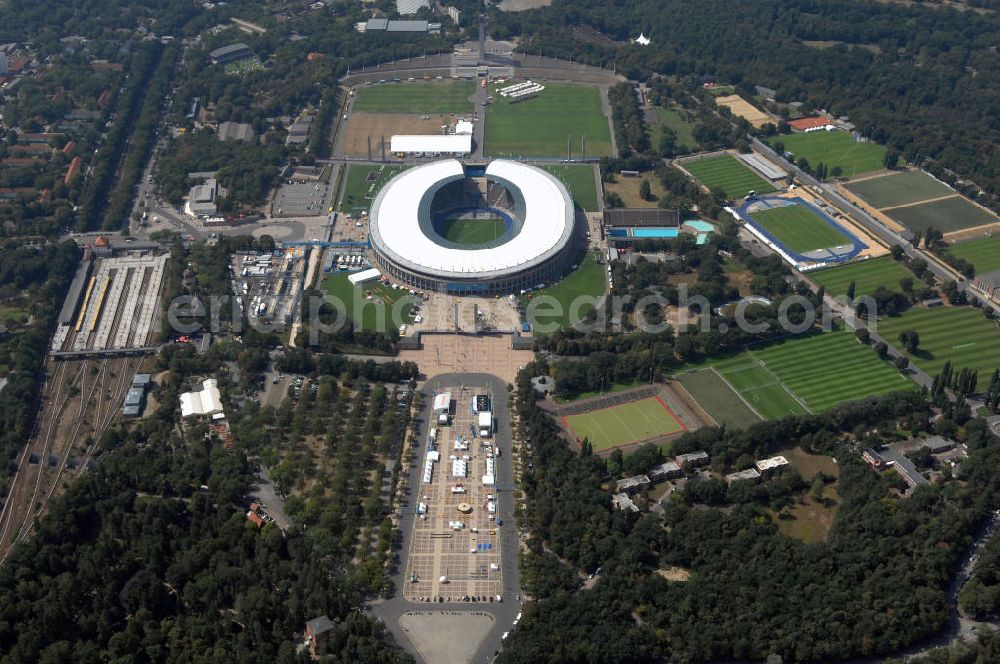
(531, 247)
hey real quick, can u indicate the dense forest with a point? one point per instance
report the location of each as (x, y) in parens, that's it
(876, 584)
(925, 81)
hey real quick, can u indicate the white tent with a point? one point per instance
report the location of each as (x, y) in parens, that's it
(206, 401)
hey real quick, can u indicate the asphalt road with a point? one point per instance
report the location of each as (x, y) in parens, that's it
(504, 612)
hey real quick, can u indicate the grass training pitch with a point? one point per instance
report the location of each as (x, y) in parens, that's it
(680, 124)
(808, 373)
(580, 182)
(539, 127)
(899, 189)
(471, 231)
(959, 334)
(799, 228)
(834, 148)
(867, 277)
(587, 281)
(370, 311)
(728, 174)
(363, 183)
(625, 423)
(718, 399)
(945, 215)
(983, 254)
(416, 97)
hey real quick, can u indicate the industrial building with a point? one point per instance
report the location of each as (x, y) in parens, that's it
(231, 53)
(437, 144)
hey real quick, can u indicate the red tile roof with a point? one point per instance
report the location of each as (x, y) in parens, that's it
(808, 123)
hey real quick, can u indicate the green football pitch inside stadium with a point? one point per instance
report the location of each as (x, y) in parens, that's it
(539, 127)
(471, 231)
(959, 334)
(834, 148)
(623, 424)
(414, 97)
(867, 277)
(728, 174)
(799, 228)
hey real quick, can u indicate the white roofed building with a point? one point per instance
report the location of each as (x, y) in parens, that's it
(206, 401)
(450, 144)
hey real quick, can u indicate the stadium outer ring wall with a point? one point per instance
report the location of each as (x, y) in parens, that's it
(543, 269)
(857, 246)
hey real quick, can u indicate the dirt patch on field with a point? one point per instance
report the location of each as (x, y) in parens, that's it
(379, 126)
(628, 189)
(462, 353)
(744, 109)
(974, 233)
(521, 5)
(672, 573)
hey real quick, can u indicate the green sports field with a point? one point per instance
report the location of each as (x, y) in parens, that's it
(719, 399)
(580, 182)
(728, 174)
(899, 189)
(960, 334)
(799, 228)
(806, 373)
(867, 277)
(359, 190)
(414, 97)
(623, 424)
(539, 127)
(834, 148)
(983, 254)
(587, 280)
(945, 215)
(681, 124)
(471, 231)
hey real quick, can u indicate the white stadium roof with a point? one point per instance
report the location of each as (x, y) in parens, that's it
(546, 227)
(442, 143)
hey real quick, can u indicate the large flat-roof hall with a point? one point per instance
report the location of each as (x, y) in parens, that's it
(533, 246)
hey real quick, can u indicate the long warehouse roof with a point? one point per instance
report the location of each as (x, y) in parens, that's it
(443, 143)
(546, 229)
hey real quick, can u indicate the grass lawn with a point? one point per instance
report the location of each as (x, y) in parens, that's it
(799, 228)
(984, 254)
(538, 127)
(587, 280)
(416, 97)
(867, 277)
(811, 520)
(728, 174)
(835, 148)
(716, 396)
(677, 120)
(623, 424)
(359, 191)
(628, 189)
(945, 215)
(580, 182)
(372, 311)
(960, 334)
(471, 231)
(899, 189)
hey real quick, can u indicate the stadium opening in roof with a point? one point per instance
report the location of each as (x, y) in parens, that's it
(494, 229)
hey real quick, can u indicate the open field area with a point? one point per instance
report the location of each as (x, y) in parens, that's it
(811, 519)
(363, 183)
(372, 302)
(628, 189)
(586, 281)
(899, 189)
(945, 215)
(471, 231)
(866, 275)
(538, 127)
(809, 373)
(984, 254)
(960, 334)
(625, 423)
(741, 108)
(834, 148)
(718, 399)
(378, 126)
(728, 174)
(580, 182)
(678, 121)
(433, 97)
(799, 228)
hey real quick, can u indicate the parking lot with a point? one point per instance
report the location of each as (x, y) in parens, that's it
(301, 199)
(448, 562)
